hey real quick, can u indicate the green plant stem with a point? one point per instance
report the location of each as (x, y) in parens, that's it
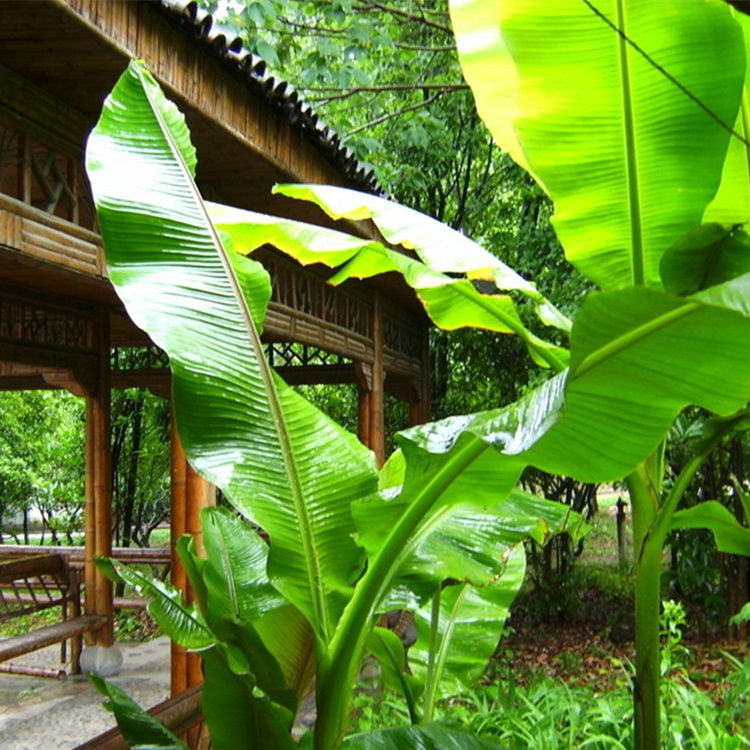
(440, 656)
(338, 666)
(651, 524)
(644, 500)
(429, 689)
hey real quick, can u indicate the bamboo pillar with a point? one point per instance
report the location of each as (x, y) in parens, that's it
(190, 493)
(98, 508)
(363, 372)
(377, 394)
(419, 410)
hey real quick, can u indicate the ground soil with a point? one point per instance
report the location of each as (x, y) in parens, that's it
(584, 634)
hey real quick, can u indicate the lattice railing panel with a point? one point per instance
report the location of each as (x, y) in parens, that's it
(44, 177)
(310, 295)
(402, 338)
(138, 358)
(287, 354)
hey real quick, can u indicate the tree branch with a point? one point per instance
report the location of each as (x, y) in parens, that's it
(402, 111)
(342, 93)
(372, 5)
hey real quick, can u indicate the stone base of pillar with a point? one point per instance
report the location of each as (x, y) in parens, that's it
(104, 661)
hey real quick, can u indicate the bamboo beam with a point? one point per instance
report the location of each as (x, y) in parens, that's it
(18, 645)
(363, 417)
(200, 494)
(318, 374)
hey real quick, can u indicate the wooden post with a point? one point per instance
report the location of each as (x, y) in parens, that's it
(24, 174)
(98, 521)
(377, 394)
(363, 373)
(622, 554)
(419, 410)
(190, 493)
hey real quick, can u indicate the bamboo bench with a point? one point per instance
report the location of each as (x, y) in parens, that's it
(35, 584)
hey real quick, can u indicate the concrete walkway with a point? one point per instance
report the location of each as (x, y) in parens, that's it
(38, 713)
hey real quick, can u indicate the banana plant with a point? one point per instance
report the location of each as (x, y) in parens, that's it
(623, 112)
(268, 618)
(633, 117)
(639, 352)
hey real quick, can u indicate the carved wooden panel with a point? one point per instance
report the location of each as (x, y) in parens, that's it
(24, 322)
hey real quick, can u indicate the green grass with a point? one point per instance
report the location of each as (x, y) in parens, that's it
(550, 715)
(27, 623)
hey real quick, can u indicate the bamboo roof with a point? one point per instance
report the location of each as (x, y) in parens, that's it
(59, 59)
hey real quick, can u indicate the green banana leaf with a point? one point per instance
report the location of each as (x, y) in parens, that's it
(183, 623)
(235, 572)
(450, 302)
(423, 737)
(388, 649)
(470, 624)
(138, 727)
(243, 592)
(247, 654)
(638, 357)
(194, 566)
(733, 197)
(730, 535)
(467, 542)
(288, 636)
(282, 463)
(629, 159)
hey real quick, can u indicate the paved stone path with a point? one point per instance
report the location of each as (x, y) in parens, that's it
(38, 713)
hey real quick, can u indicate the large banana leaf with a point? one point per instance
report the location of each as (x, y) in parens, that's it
(638, 357)
(707, 256)
(467, 542)
(729, 534)
(452, 301)
(242, 608)
(183, 623)
(235, 572)
(282, 463)
(237, 717)
(628, 157)
(732, 202)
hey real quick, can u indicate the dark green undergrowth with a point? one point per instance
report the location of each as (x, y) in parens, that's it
(550, 715)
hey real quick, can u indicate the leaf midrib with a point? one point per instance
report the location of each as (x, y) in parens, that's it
(637, 263)
(306, 529)
(629, 338)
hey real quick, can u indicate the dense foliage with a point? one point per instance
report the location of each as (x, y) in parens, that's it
(41, 463)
